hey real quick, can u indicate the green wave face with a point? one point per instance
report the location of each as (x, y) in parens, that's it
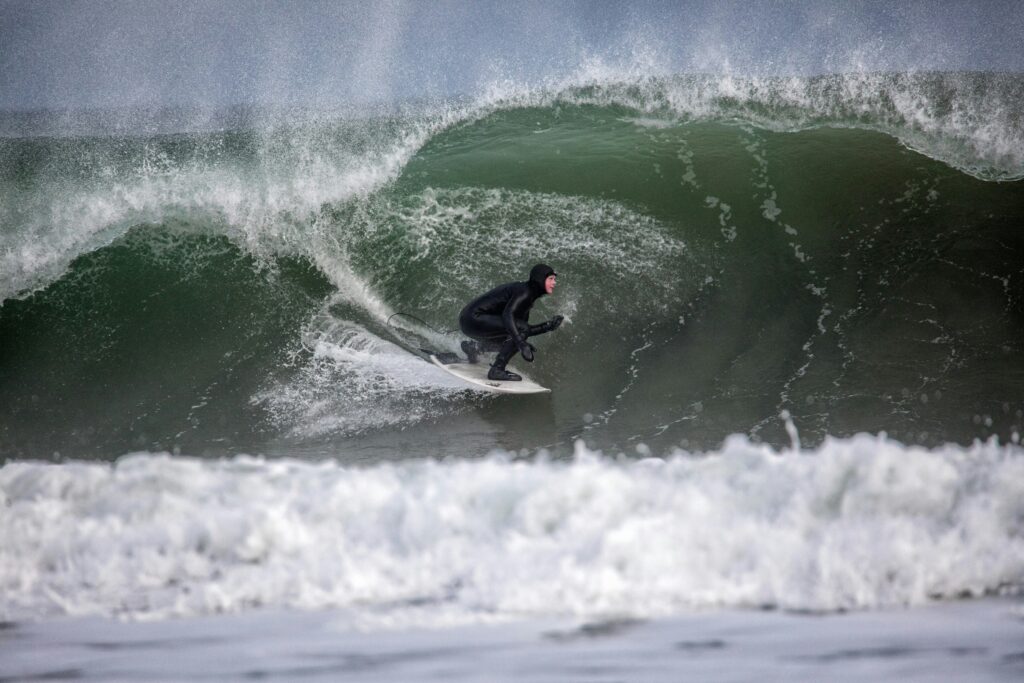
(726, 253)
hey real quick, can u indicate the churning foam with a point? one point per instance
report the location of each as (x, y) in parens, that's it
(353, 381)
(856, 523)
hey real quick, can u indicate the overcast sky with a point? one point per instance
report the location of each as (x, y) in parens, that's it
(92, 53)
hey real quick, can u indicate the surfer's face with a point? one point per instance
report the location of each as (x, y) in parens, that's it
(549, 284)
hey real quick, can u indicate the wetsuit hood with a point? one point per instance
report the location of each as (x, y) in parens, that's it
(538, 274)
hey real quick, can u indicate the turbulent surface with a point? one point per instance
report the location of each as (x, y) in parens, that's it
(856, 523)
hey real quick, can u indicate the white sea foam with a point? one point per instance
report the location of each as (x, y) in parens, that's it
(353, 381)
(857, 523)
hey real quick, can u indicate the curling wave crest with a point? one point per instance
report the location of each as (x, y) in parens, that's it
(265, 197)
(968, 120)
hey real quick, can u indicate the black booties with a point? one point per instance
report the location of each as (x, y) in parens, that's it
(502, 375)
(498, 371)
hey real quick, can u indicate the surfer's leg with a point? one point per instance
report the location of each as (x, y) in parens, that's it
(479, 345)
(487, 332)
(505, 353)
(481, 327)
(474, 348)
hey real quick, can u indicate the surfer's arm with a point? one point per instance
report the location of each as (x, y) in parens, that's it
(508, 317)
(544, 327)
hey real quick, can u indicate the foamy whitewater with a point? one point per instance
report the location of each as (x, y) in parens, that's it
(857, 523)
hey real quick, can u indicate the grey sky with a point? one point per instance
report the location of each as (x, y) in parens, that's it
(97, 54)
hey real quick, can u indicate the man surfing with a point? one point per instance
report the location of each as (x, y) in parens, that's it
(499, 321)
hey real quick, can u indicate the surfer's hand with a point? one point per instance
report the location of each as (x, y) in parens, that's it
(526, 350)
(547, 326)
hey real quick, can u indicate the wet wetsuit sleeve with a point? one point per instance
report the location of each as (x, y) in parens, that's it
(508, 318)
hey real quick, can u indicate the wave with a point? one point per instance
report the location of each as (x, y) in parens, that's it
(731, 248)
(69, 196)
(856, 523)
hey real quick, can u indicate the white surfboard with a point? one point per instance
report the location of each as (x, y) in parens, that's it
(476, 374)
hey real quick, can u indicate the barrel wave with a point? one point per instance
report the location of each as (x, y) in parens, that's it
(842, 248)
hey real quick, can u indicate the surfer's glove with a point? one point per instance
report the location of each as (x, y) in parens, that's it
(548, 326)
(526, 350)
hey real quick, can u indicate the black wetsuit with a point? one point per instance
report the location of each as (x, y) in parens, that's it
(499, 319)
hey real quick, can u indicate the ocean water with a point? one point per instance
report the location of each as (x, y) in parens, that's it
(791, 374)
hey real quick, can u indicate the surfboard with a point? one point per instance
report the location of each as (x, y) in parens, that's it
(476, 375)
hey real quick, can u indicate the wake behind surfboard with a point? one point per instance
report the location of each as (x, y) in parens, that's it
(476, 375)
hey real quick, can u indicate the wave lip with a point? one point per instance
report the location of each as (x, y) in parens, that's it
(857, 523)
(968, 120)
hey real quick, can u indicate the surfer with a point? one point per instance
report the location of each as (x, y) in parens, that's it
(499, 321)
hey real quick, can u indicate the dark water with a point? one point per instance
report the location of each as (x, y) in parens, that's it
(846, 249)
